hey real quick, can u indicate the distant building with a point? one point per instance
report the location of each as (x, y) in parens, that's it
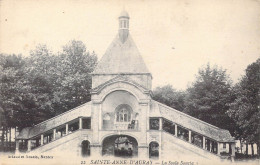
(122, 119)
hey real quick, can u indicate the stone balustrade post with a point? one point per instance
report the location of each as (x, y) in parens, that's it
(218, 148)
(54, 134)
(204, 143)
(189, 136)
(80, 123)
(17, 146)
(29, 145)
(67, 129)
(160, 124)
(233, 145)
(41, 139)
(176, 130)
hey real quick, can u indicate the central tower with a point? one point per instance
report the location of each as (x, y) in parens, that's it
(123, 26)
(122, 58)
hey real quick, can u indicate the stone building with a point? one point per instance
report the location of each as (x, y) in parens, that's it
(122, 119)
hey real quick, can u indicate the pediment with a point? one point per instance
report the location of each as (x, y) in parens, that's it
(120, 78)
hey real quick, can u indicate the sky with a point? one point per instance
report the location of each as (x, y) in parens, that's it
(175, 38)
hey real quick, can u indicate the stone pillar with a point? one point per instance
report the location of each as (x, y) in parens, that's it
(96, 106)
(100, 119)
(233, 145)
(143, 152)
(176, 130)
(160, 146)
(144, 108)
(41, 139)
(160, 124)
(80, 123)
(54, 134)
(218, 148)
(67, 129)
(29, 145)
(204, 143)
(189, 136)
(17, 146)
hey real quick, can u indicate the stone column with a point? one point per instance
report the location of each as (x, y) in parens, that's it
(204, 143)
(96, 106)
(54, 133)
(160, 124)
(29, 145)
(233, 145)
(80, 123)
(144, 107)
(176, 130)
(41, 139)
(67, 129)
(218, 148)
(100, 119)
(160, 146)
(189, 136)
(17, 146)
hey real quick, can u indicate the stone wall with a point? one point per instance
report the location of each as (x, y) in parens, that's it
(70, 143)
(177, 149)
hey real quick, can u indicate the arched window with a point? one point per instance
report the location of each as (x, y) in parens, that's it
(123, 113)
(154, 150)
(85, 148)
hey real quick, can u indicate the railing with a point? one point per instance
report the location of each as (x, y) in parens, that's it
(133, 125)
(83, 110)
(51, 142)
(79, 123)
(121, 126)
(187, 135)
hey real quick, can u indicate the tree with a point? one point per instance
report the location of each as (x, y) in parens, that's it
(209, 97)
(169, 96)
(43, 85)
(73, 68)
(46, 84)
(245, 109)
(10, 76)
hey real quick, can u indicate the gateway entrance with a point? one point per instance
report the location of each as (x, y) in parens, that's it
(120, 146)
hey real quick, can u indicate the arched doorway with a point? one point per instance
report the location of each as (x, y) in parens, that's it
(154, 150)
(85, 148)
(120, 146)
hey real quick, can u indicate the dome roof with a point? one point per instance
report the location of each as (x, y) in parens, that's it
(124, 14)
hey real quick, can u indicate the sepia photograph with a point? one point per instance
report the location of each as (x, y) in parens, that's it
(133, 82)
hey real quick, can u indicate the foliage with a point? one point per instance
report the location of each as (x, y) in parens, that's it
(209, 97)
(43, 85)
(11, 75)
(73, 69)
(169, 96)
(245, 109)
